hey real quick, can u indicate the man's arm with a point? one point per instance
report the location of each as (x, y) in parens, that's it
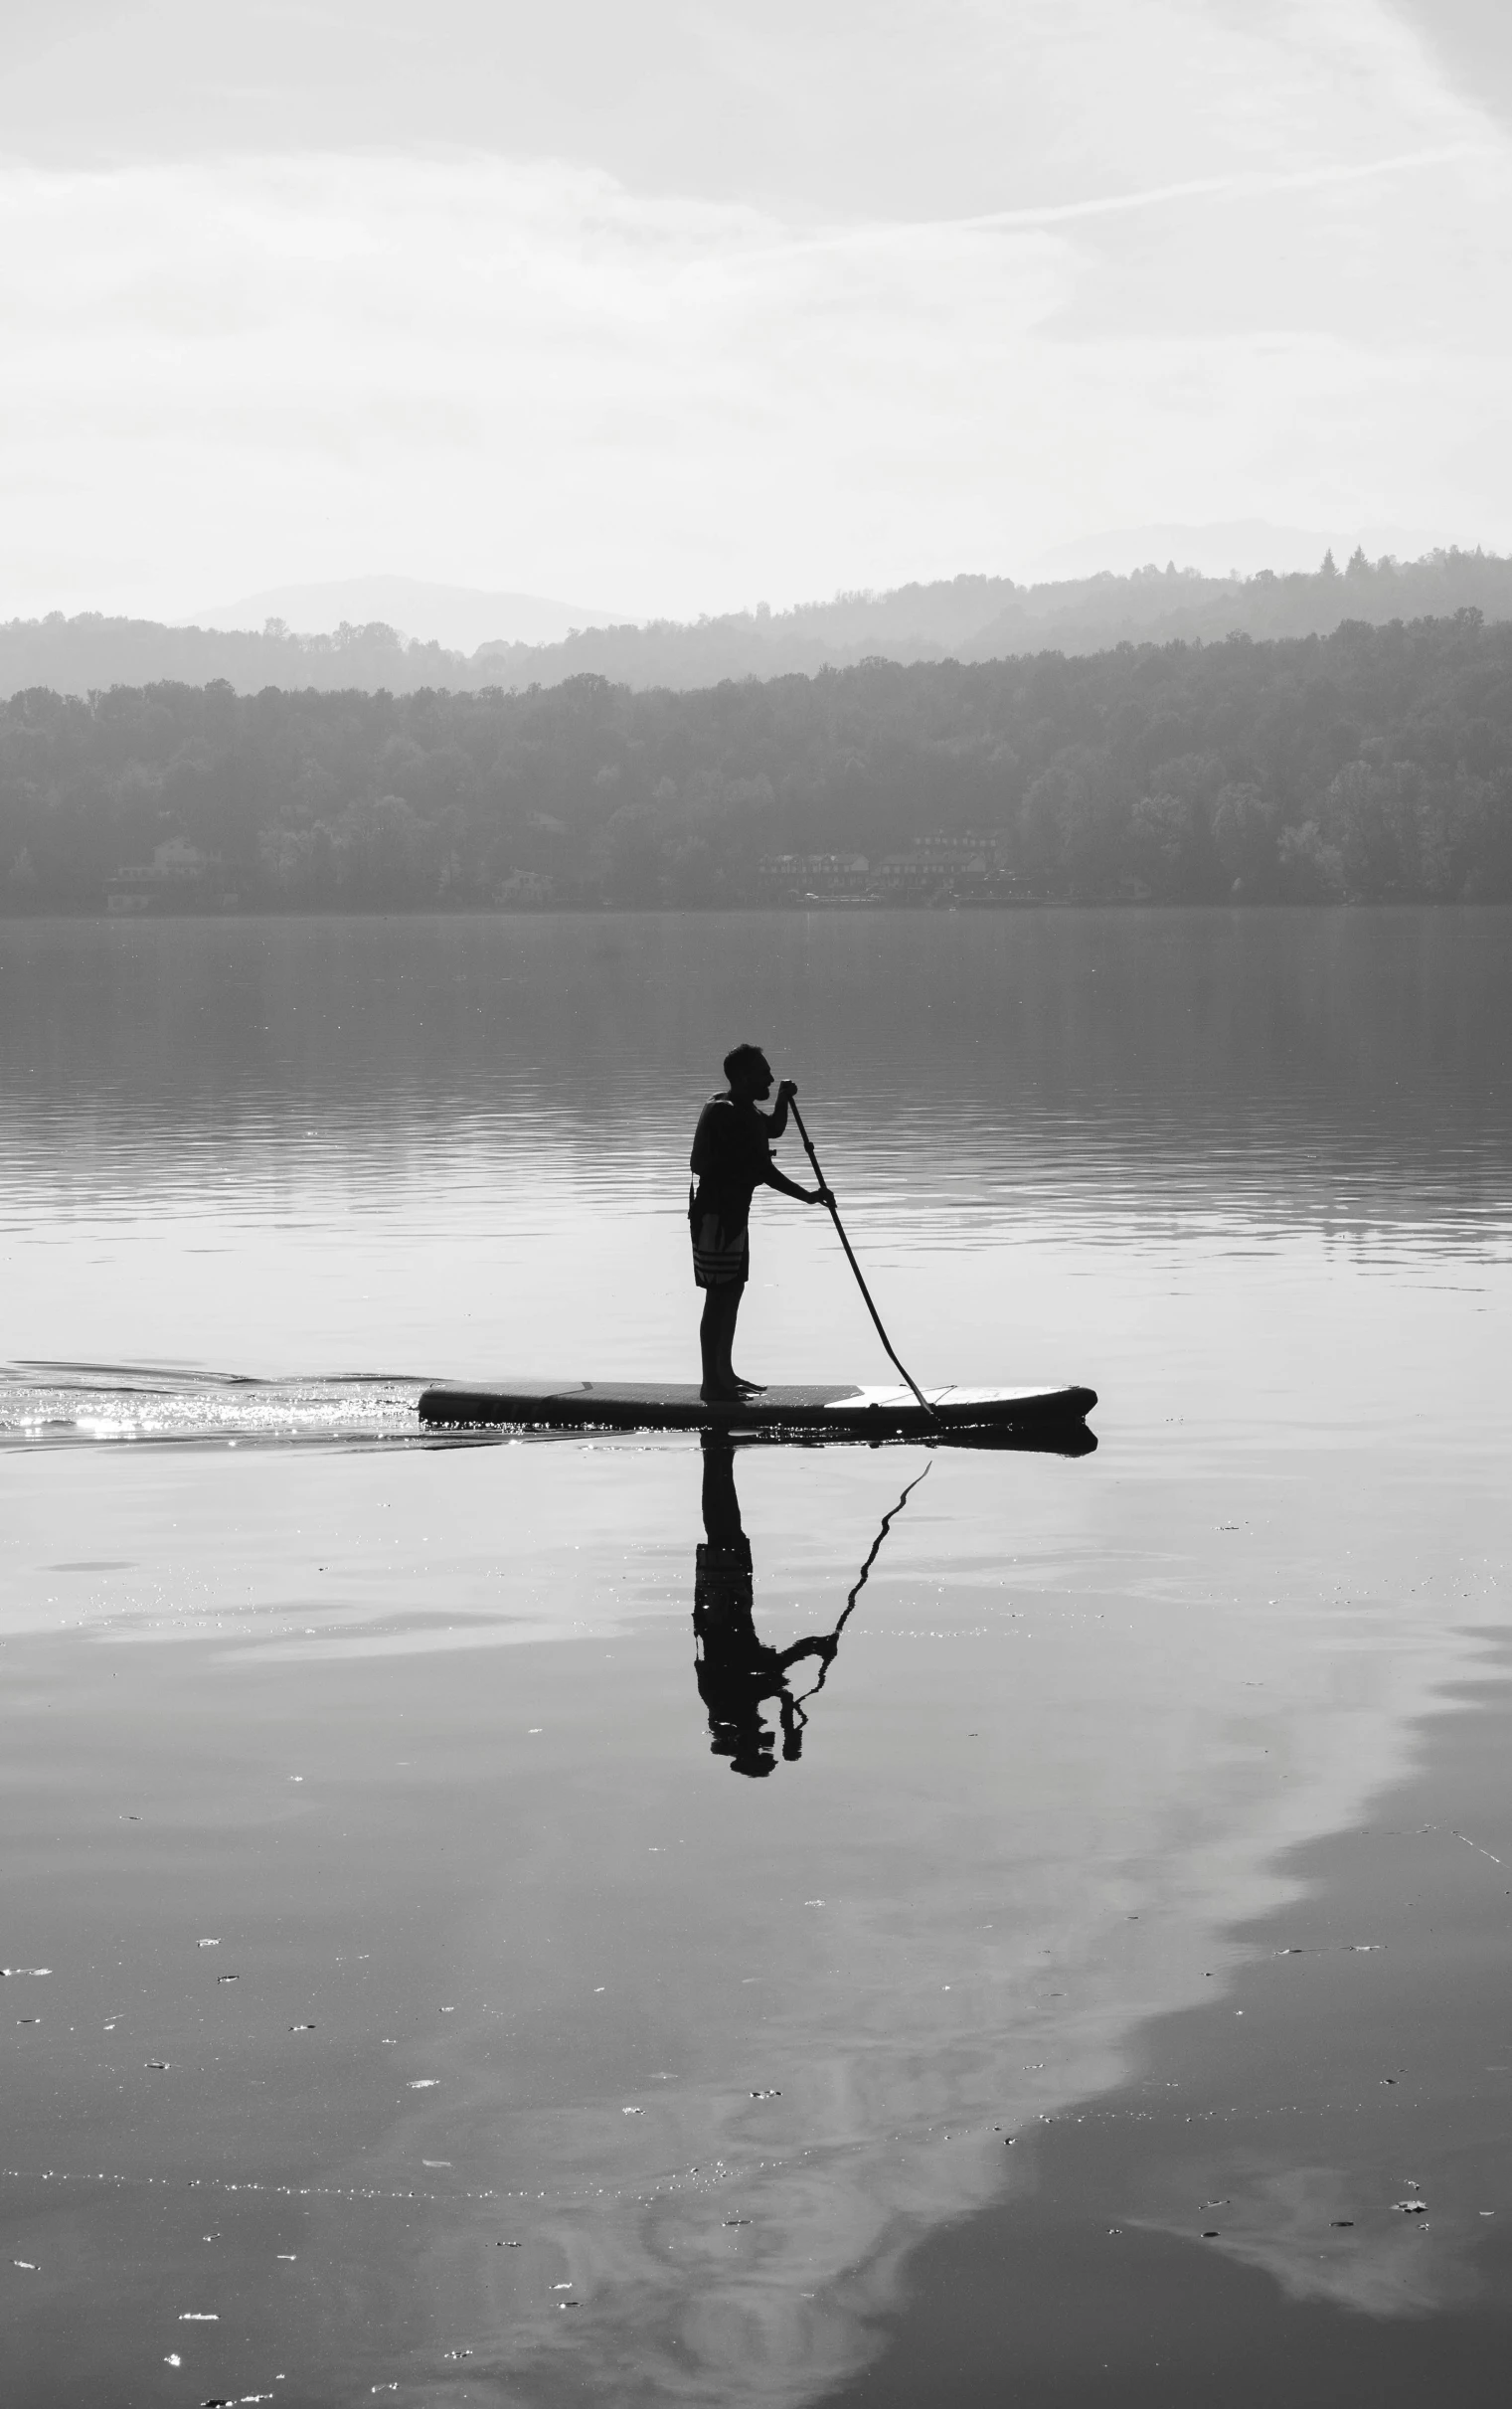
(828, 1647)
(777, 1119)
(789, 1187)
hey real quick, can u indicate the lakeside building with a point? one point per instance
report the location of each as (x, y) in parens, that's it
(817, 878)
(179, 878)
(940, 870)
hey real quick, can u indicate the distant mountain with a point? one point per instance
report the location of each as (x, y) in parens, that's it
(964, 619)
(91, 653)
(459, 616)
(982, 619)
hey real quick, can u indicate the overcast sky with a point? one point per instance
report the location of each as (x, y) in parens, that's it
(676, 304)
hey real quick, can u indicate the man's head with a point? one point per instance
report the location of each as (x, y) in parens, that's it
(748, 1072)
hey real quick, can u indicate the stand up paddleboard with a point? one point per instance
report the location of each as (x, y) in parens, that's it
(846, 1412)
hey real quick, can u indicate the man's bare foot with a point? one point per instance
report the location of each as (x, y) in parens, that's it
(710, 1394)
(751, 1388)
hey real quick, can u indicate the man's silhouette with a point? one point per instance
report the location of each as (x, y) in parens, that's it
(731, 1159)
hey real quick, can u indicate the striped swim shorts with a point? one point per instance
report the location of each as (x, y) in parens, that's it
(721, 1252)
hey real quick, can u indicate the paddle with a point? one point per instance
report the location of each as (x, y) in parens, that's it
(829, 1647)
(850, 1257)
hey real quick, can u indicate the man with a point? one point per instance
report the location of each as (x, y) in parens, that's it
(732, 1158)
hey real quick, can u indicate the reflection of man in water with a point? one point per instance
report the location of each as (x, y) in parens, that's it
(736, 1671)
(732, 1158)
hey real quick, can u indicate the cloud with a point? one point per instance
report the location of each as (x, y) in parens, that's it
(232, 370)
(868, 108)
(1471, 42)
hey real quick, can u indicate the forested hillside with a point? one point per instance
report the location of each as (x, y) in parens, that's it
(964, 619)
(1371, 764)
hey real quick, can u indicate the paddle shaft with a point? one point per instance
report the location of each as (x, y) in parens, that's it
(862, 1579)
(850, 1257)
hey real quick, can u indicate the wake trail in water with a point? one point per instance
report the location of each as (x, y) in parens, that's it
(87, 1404)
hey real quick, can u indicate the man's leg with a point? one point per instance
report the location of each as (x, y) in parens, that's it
(716, 1330)
(745, 1388)
(726, 1338)
(708, 1345)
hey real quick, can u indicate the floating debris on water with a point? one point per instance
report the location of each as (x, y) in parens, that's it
(228, 1978)
(6, 1972)
(1342, 2225)
(155, 2065)
(640, 2112)
(1410, 2207)
(206, 1944)
(423, 2082)
(456, 2354)
(173, 2359)
(1350, 1948)
(766, 2095)
(30, 2265)
(199, 2316)
(293, 2027)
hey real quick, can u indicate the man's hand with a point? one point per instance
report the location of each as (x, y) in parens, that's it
(821, 1196)
(787, 1089)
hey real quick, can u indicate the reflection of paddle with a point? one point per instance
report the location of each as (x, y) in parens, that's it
(834, 1213)
(828, 1646)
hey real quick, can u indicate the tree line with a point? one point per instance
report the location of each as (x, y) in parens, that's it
(1371, 764)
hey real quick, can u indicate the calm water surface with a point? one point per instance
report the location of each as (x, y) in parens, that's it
(432, 2013)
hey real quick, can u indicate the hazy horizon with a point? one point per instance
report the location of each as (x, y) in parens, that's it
(459, 616)
(462, 618)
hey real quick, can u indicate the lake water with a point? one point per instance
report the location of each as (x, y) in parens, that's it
(433, 2014)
